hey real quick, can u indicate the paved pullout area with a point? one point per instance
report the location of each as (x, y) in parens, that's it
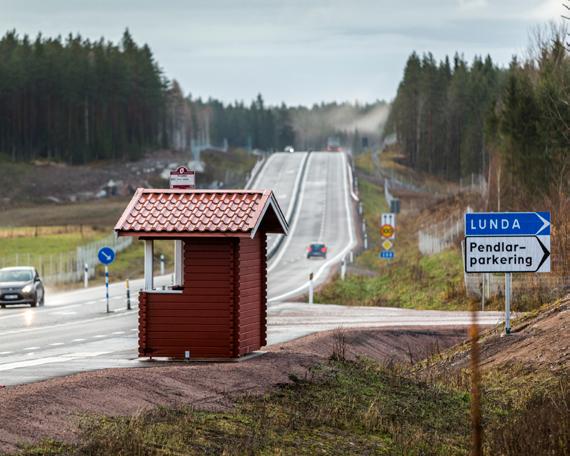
(52, 408)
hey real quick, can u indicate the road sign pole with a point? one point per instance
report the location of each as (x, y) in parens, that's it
(508, 291)
(483, 292)
(107, 286)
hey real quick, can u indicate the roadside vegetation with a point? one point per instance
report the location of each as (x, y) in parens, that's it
(353, 405)
(410, 280)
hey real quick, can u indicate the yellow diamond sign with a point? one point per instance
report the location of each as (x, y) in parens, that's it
(387, 245)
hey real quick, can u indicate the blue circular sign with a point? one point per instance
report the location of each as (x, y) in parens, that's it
(106, 255)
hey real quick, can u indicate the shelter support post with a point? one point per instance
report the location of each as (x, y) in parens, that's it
(178, 262)
(148, 265)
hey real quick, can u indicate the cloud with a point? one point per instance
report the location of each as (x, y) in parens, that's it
(294, 50)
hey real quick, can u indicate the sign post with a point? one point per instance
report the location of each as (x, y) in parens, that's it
(507, 242)
(508, 284)
(388, 233)
(106, 256)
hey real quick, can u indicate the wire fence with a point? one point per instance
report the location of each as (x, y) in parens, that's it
(527, 289)
(442, 235)
(67, 267)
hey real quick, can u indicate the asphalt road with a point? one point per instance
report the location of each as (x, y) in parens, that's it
(324, 215)
(73, 332)
(281, 173)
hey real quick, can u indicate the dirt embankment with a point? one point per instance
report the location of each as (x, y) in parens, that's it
(538, 342)
(52, 409)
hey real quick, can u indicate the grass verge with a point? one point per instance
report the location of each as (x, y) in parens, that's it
(411, 280)
(346, 407)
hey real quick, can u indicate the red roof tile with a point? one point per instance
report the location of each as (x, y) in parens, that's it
(197, 211)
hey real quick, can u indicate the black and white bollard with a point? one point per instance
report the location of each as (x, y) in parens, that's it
(128, 295)
(311, 288)
(343, 268)
(161, 264)
(86, 276)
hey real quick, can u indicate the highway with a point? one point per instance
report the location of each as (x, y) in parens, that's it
(324, 215)
(73, 333)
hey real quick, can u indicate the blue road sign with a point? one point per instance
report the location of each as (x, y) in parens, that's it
(507, 223)
(106, 255)
(387, 254)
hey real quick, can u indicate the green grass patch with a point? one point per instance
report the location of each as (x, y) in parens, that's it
(411, 280)
(129, 264)
(49, 244)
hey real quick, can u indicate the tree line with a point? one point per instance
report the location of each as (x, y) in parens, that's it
(259, 126)
(77, 100)
(452, 118)
(439, 113)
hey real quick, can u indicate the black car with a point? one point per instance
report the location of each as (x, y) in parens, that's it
(21, 285)
(317, 249)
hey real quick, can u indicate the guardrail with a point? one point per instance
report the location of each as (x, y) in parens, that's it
(291, 211)
(255, 172)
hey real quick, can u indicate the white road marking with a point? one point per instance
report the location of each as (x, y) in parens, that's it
(31, 348)
(98, 336)
(57, 344)
(335, 259)
(134, 329)
(6, 353)
(119, 332)
(48, 360)
(78, 340)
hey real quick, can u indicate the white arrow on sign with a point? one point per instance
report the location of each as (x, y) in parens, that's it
(507, 254)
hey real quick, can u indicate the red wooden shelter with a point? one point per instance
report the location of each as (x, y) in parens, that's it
(217, 305)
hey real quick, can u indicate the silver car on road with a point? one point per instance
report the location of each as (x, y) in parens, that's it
(21, 285)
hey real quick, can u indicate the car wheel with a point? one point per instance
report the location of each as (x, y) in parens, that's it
(3, 306)
(42, 301)
(34, 304)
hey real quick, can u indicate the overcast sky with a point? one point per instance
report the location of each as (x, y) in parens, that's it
(297, 51)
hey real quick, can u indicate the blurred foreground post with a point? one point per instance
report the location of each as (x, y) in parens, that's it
(476, 440)
(311, 290)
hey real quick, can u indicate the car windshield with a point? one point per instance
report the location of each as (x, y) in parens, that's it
(15, 276)
(316, 247)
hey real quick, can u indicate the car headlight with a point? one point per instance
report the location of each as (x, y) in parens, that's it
(28, 288)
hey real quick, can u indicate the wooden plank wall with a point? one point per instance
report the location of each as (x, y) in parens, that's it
(251, 289)
(201, 318)
(222, 310)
